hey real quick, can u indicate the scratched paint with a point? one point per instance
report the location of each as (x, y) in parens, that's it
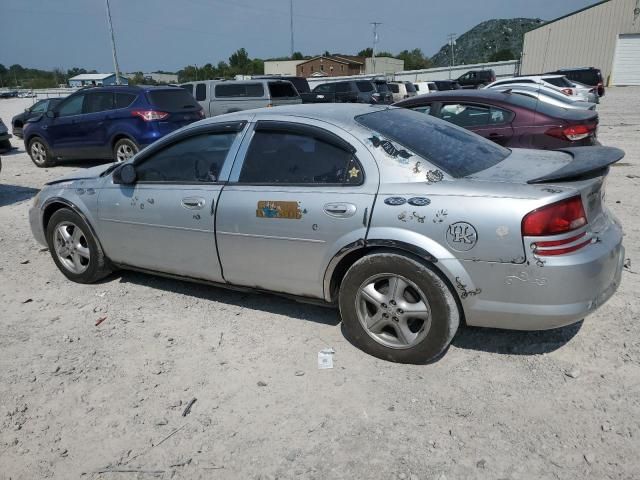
(524, 277)
(502, 231)
(279, 209)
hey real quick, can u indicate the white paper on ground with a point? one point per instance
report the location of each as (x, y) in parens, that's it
(325, 358)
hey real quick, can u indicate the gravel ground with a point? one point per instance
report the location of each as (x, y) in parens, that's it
(106, 401)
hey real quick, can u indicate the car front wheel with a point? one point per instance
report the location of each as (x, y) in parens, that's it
(40, 154)
(397, 308)
(124, 149)
(74, 249)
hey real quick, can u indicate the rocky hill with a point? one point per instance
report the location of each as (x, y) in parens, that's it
(486, 40)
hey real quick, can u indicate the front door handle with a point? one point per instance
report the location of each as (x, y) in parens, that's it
(193, 203)
(341, 210)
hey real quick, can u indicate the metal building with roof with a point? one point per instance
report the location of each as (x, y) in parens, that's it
(605, 35)
(87, 79)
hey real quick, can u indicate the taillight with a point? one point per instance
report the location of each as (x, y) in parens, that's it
(567, 91)
(554, 219)
(149, 115)
(572, 133)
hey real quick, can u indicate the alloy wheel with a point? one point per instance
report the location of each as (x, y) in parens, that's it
(72, 248)
(38, 152)
(124, 152)
(393, 311)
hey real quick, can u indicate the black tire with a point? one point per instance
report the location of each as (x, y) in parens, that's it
(96, 266)
(432, 336)
(40, 153)
(5, 145)
(124, 149)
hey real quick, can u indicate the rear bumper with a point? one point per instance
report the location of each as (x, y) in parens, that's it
(534, 296)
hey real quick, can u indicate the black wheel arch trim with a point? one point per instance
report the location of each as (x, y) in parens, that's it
(361, 244)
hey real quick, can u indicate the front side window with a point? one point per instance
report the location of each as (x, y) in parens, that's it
(73, 106)
(426, 109)
(287, 158)
(326, 88)
(194, 159)
(201, 92)
(98, 102)
(465, 115)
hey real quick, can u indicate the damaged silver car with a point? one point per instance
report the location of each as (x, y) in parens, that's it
(410, 225)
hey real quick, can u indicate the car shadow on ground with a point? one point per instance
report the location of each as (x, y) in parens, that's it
(514, 342)
(265, 302)
(10, 194)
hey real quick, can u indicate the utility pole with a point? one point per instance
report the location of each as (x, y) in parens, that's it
(113, 45)
(452, 58)
(375, 41)
(291, 24)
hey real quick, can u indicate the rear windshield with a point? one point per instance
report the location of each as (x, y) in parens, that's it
(382, 87)
(410, 88)
(282, 90)
(172, 100)
(365, 86)
(455, 150)
(239, 90)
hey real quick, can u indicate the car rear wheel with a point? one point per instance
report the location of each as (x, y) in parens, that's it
(397, 309)
(40, 154)
(74, 249)
(124, 149)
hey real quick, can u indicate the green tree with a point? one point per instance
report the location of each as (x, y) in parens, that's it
(239, 60)
(414, 59)
(297, 56)
(501, 55)
(137, 79)
(72, 72)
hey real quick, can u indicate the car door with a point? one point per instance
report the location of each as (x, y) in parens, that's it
(64, 130)
(96, 122)
(491, 122)
(165, 220)
(298, 193)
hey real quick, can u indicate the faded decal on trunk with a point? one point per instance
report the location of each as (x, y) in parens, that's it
(279, 209)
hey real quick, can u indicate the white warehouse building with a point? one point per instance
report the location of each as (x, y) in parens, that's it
(605, 35)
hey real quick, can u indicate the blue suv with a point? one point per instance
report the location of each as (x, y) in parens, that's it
(108, 123)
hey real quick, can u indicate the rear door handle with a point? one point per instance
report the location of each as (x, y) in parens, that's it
(193, 203)
(341, 210)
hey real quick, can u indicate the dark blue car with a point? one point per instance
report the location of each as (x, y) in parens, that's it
(108, 123)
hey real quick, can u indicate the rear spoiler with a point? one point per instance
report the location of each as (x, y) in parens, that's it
(587, 161)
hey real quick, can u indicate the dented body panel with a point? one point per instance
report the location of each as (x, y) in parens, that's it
(293, 238)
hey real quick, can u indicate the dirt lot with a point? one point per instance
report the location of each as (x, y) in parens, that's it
(77, 399)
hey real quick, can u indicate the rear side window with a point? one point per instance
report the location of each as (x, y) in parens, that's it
(394, 87)
(123, 100)
(455, 150)
(201, 92)
(239, 90)
(410, 88)
(365, 87)
(192, 160)
(342, 87)
(467, 115)
(98, 102)
(286, 158)
(172, 100)
(282, 90)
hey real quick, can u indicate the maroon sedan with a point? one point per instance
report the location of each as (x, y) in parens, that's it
(510, 119)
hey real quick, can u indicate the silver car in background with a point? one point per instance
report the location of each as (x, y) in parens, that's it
(218, 97)
(409, 224)
(546, 95)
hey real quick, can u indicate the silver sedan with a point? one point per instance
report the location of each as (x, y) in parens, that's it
(408, 224)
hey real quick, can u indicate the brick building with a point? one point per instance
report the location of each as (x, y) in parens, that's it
(331, 66)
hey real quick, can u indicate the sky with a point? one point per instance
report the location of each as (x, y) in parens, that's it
(169, 34)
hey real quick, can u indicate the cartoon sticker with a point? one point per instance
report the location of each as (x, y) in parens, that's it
(434, 176)
(279, 209)
(462, 236)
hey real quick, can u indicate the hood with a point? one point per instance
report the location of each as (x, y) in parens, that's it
(85, 174)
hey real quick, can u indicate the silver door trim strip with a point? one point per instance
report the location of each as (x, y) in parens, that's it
(112, 220)
(272, 237)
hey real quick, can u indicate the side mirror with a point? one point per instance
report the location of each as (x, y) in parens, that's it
(51, 114)
(127, 174)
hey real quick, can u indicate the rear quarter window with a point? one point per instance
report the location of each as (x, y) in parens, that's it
(123, 100)
(172, 100)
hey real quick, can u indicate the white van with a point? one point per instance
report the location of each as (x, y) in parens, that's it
(221, 96)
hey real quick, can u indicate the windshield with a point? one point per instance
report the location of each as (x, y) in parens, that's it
(453, 149)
